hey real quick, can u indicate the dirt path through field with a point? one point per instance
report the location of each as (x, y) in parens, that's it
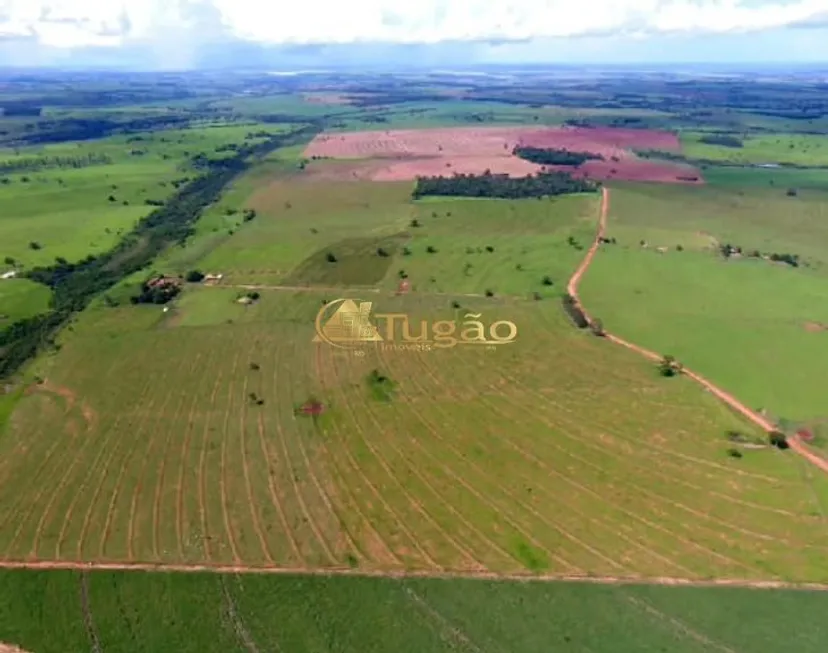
(726, 397)
(43, 565)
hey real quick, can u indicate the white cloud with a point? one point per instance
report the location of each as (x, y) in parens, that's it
(72, 23)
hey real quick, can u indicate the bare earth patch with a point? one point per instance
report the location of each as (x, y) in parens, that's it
(396, 155)
(10, 648)
(815, 327)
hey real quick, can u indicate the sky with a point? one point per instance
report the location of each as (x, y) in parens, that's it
(184, 34)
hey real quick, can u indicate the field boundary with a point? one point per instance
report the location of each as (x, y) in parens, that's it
(43, 565)
(726, 397)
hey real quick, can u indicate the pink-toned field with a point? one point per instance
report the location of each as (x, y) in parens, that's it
(396, 155)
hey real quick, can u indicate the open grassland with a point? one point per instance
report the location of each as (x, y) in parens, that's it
(782, 179)
(456, 112)
(299, 221)
(21, 298)
(202, 613)
(558, 453)
(71, 212)
(799, 149)
(72, 200)
(752, 326)
(507, 247)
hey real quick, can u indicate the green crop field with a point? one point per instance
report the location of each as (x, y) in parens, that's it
(156, 611)
(751, 325)
(480, 460)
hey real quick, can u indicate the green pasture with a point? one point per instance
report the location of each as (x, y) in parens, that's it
(73, 212)
(196, 454)
(748, 178)
(298, 220)
(752, 326)
(21, 298)
(798, 149)
(763, 218)
(455, 113)
(201, 613)
(527, 238)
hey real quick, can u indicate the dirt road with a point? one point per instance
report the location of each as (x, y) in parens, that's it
(572, 288)
(402, 574)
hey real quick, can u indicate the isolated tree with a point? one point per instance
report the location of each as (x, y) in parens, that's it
(330, 257)
(35, 245)
(194, 276)
(415, 223)
(431, 249)
(547, 280)
(669, 366)
(778, 439)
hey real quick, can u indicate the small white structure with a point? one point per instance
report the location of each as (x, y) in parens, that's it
(11, 274)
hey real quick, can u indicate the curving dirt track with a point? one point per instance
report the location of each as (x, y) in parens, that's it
(729, 399)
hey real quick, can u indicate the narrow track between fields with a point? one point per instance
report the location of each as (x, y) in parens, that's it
(726, 397)
(43, 565)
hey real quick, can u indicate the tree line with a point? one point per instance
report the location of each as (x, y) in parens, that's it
(35, 163)
(502, 186)
(75, 284)
(553, 156)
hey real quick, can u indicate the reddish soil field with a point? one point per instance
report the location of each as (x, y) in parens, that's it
(632, 169)
(609, 138)
(472, 150)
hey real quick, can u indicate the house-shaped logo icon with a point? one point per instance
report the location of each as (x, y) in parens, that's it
(350, 324)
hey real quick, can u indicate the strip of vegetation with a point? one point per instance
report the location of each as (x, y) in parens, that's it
(727, 251)
(502, 186)
(36, 163)
(574, 311)
(721, 139)
(75, 284)
(557, 157)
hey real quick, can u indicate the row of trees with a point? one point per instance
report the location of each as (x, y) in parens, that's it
(725, 140)
(502, 186)
(36, 163)
(553, 156)
(727, 250)
(75, 284)
(84, 129)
